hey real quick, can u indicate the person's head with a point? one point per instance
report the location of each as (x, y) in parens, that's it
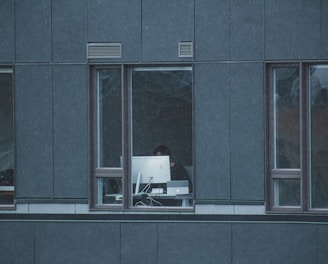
(162, 150)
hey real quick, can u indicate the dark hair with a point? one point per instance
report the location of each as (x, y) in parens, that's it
(164, 150)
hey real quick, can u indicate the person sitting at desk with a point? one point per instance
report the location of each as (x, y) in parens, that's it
(178, 172)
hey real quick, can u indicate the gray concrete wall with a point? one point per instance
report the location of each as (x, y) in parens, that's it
(63, 242)
(46, 43)
(46, 40)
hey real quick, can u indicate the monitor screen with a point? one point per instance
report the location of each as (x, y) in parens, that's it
(152, 169)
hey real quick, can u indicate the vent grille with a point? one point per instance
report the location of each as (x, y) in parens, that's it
(104, 50)
(185, 49)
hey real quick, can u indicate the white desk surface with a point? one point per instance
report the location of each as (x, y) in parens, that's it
(7, 188)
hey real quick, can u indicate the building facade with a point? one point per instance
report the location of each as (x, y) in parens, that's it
(235, 88)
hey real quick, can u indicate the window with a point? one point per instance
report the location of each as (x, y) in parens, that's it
(142, 137)
(6, 138)
(297, 144)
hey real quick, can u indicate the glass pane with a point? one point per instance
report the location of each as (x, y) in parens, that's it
(110, 191)
(287, 192)
(162, 116)
(109, 117)
(319, 135)
(286, 118)
(6, 139)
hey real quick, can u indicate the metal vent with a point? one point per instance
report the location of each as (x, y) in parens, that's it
(104, 50)
(185, 49)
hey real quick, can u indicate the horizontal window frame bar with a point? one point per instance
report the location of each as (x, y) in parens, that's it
(108, 173)
(286, 174)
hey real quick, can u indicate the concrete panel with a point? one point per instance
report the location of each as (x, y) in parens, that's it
(70, 106)
(246, 29)
(247, 131)
(164, 24)
(17, 243)
(138, 243)
(273, 243)
(7, 31)
(33, 114)
(51, 208)
(212, 131)
(81, 243)
(194, 243)
(292, 29)
(211, 30)
(33, 30)
(322, 246)
(116, 21)
(69, 30)
(324, 31)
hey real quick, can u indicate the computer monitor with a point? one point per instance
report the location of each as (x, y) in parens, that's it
(150, 169)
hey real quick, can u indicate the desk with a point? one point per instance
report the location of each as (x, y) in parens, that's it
(155, 199)
(158, 197)
(7, 188)
(7, 194)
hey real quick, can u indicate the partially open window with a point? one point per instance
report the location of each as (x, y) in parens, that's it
(142, 137)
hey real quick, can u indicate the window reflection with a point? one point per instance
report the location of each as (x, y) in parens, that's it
(110, 191)
(109, 118)
(319, 136)
(287, 116)
(287, 192)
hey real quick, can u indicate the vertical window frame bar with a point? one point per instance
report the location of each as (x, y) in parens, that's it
(126, 125)
(304, 122)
